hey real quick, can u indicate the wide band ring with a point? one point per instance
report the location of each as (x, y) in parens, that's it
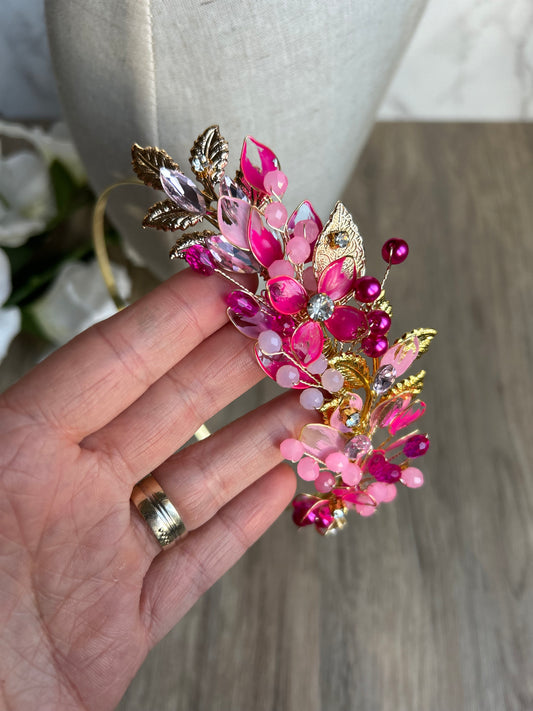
(158, 511)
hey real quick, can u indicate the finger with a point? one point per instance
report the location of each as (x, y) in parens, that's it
(166, 416)
(179, 576)
(88, 382)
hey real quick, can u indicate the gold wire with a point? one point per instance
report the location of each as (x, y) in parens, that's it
(102, 256)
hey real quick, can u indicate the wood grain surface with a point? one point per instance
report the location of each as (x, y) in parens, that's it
(428, 605)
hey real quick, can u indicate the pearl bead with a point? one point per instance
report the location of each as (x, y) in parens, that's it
(292, 449)
(269, 342)
(367, 289)
(332, 380)
(395, 251)
(311, 399)
(379, 321)
(374, 346)
(276, 214)
(298, 250)
(308, 469)
(287, 376)
(275, 183)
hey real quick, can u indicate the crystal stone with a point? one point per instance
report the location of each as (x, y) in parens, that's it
(353, 420)
(182, 191)
(384, 379)
(357, 445)
(229, 188)
(320, 307)
(341, 239)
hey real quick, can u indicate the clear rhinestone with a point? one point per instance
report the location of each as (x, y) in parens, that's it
(320, 307)
(360, 444)
(341, 239)
(353, 420)
(384, 379)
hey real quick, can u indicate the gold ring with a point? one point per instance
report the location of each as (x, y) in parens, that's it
(158, 511)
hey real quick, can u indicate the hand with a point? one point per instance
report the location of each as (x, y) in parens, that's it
(85, 591)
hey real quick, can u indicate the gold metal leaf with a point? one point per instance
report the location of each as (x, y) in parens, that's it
(383, 305)
(209, 154)
(166, 215)
(188, 240)
(424, 335)
(147, 162)
(413, 385)
(340, 223)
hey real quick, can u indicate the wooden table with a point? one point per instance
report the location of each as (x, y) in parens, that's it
(427, 606)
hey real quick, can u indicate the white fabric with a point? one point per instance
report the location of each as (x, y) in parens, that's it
(304, 77)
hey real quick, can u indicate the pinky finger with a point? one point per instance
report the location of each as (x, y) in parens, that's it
(179, 576)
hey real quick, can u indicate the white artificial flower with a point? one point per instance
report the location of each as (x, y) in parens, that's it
(53, 144)
(77, 299)
(26, 198)
(9, 315)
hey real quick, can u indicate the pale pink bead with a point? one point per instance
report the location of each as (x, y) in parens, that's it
(365, 510)
(325, 481)
(309, 279)
(412, 477)
(269, 342)
(298, 249)
(381, 491)
(318, 366)
(308, 469)
(276, 214)
(287, 376)
(275, 183)
(292, 449)
(337, 462)
(311, 399)
(281, 267)
(352, 474)
(332, 380)
(308, 229)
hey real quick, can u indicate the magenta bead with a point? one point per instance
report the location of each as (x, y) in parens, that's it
(311, 399)
(242, 304)
(367, 289)
(275, 183)
(374, 346)
(379, 322)
(298, 250)
(416, 446)
(292, 449)
(395, 251)
(308, 469)
(199, 258)
(276, 214)
(281, 267)
(325, 481)
(337, 462)
(332, 380)
(269, 342)
(287, 376)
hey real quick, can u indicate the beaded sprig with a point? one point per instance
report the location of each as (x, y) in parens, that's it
(307, 336)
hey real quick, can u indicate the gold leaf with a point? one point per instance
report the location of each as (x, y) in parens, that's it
(424, 335)
(383, 305)
(209, 154)
(354, 368)
(413, 384)
(147, 163)
(166, 215)
(188, 240)
(326, 250)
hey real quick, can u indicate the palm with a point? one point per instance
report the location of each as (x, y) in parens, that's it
(85, 592)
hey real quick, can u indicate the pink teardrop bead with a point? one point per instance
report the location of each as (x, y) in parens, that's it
(292, 449)
(352, 474)
(281, 267)
(311, 399)
(337, 462)
(412, 477)
(276, 214)
(275, 183)
(287, 376)
(308, 469)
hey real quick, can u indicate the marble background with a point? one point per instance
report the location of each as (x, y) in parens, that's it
(469, 60)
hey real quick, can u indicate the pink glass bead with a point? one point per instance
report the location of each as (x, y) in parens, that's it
(416, 446)
(307, 229)
(242, 303)
(332, 380)
(275, 183)
(304, 514)
(382, 492)
(367, 289)
(324, 517)
(412, 477)
(298, 250)
(281, 267)
(379, 322)
(325, 481)
(310, 223)
(269, 342)
(287, 376)
(308, 469)
(395, 250)
(292, 449)
(352, 474)
(337, 462)
(319, 366)
(311, 399)
(374, 346)
(199, 258)
(276, 214)
(365, 510)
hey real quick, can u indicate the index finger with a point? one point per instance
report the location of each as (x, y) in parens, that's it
(86, 383)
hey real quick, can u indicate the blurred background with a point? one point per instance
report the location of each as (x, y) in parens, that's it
(427, 605)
